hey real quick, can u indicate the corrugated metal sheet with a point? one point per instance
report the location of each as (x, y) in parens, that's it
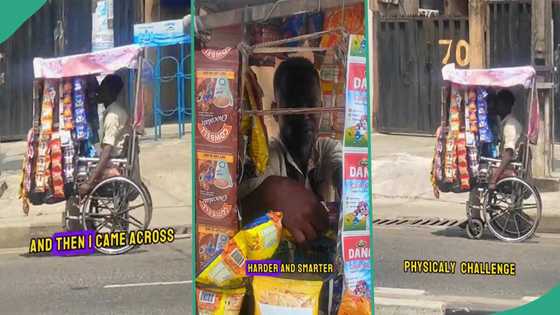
(510, 33)
(33, 38)
(410, 61)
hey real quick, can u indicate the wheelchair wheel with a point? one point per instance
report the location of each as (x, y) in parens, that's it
(513, 211)
(117, 204)
(475, 229)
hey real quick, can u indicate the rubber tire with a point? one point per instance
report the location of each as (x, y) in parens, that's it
(478, 225)
(537, 220)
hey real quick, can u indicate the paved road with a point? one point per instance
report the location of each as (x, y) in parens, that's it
(537, 262)
(157, 279)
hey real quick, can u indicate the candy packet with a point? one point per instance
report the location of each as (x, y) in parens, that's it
(279, 296)
(227, 269)
(257, 241)
(213, 301)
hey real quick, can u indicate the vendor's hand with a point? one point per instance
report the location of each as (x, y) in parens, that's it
(84, 189)
(304, 215)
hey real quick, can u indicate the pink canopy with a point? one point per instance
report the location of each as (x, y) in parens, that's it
(100, 62)
(497, 77)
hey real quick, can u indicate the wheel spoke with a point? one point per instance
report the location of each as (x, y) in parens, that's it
(498, 216)
(137, 224)
(138, 221)
(505, 225)
(526, 207)
(524, 217)
(516, 225)
(130, 209)
(101, 226)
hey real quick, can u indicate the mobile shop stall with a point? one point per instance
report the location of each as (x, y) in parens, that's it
(61, 145)
(235, 63)
(468, 149)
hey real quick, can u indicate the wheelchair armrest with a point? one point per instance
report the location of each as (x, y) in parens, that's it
(496, 162)
(96, 160)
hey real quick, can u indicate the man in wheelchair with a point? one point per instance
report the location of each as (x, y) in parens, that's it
(115, 130)
(510, 131)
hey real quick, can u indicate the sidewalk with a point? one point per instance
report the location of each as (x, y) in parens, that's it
(165, 168)
(402, 187)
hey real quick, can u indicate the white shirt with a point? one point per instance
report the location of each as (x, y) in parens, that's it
(115, 128)
(326, 160)
(511, 132)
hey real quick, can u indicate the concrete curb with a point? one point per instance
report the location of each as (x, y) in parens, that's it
(407, 306)
(13, 237)
(410, 301)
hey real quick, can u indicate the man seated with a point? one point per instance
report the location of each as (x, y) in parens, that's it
(510, 130)
(303, 170)
(510, 134)
(115, 128)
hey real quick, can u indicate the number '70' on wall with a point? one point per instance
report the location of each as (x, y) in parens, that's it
(462, 57)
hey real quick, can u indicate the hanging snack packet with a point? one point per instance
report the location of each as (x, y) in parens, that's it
(483, 126)
(259, 240)
(354, 305)
(278, 296)
(262, 236)
(227, 269)
(219, 301)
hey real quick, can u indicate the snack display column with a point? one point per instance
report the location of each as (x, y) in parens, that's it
(355, 232)
(216, 140)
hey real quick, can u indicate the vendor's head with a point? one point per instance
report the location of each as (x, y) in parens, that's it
(109, 89)
(297, 85)
(504, 103)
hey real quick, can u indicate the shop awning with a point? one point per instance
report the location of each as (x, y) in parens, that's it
(226, 13)
(99, 62)
(497, 77)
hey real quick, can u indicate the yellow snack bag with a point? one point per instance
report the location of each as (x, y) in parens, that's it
(259, 240)
(219, 301)
(278, 296)
(228, 269)
(262, 237)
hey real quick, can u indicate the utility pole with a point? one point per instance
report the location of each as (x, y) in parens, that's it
(373, 14)
(150, 11)
(542, 59)
(477, 31)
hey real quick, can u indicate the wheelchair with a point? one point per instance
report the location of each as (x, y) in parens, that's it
(116, 204)
(513, 210)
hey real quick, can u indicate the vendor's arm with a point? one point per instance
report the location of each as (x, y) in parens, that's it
(507, 157)
(111, 130)
(99, 169)
(510, 138)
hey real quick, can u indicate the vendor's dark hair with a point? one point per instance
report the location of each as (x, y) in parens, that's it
(115, 82)
(297, 83)
(507, 97)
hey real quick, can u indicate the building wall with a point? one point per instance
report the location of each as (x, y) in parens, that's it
(35, 38)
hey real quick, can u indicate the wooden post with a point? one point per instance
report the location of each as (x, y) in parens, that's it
(477, 31)
(373, 13)
(456, 7)
(149, 16)
(541, 53)
(410, 7)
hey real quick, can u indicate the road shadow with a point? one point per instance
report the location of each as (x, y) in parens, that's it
(458, 232)
(96, 254)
